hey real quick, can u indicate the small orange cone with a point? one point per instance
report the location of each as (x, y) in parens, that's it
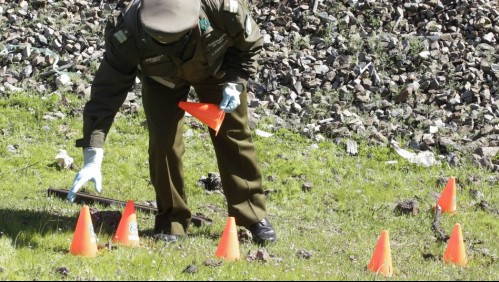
(127, 232)
(447, 200)
(455, 252)
(381, 261)
(84, 239)
(209, 114)
(228, 248)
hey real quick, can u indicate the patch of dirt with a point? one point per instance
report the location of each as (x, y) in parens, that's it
(409, 206)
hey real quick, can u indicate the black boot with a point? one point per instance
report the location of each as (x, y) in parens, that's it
(262, 232)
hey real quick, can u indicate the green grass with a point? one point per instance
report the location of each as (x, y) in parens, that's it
(339, 221)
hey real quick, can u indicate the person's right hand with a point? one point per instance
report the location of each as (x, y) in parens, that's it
(91, 170)
(230, 100)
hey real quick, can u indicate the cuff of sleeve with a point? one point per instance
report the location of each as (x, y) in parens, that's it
(95, 140)
(81, 143)
(237, 79)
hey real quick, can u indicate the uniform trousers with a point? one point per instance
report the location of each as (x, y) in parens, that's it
(239, 172)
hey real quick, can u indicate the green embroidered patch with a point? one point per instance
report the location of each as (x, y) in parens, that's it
(204, 24)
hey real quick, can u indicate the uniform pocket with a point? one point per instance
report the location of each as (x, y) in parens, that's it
(215, 45)
(159, 65)
(162, 69)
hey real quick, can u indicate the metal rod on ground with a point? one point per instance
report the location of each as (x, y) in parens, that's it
(82, 198)
(436, 225)
(54, 71)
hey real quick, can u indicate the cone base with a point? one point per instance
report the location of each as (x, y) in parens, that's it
(448, 212)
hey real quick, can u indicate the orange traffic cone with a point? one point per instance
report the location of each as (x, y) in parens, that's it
(381, 261)
(209, 114)
(228, 248)
(127, 232)
(455, 252)
(447, 200)
(84, 240)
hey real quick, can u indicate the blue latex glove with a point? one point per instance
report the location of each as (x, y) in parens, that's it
(92, 161)
(230, 100)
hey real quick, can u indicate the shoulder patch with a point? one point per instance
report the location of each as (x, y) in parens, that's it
(231, 6)
(122, 35)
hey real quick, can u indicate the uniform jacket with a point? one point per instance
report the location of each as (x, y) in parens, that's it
(225, 44)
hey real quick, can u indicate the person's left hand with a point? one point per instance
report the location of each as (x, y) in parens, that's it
(230, 99)
(91, 171)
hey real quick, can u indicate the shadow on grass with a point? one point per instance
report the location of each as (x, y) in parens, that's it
(194, 231)
(23, 226)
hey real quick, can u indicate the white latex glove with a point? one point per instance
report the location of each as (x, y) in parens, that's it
(230, 99)
(91, 170)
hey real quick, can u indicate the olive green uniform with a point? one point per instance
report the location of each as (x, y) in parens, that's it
(223, 48)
